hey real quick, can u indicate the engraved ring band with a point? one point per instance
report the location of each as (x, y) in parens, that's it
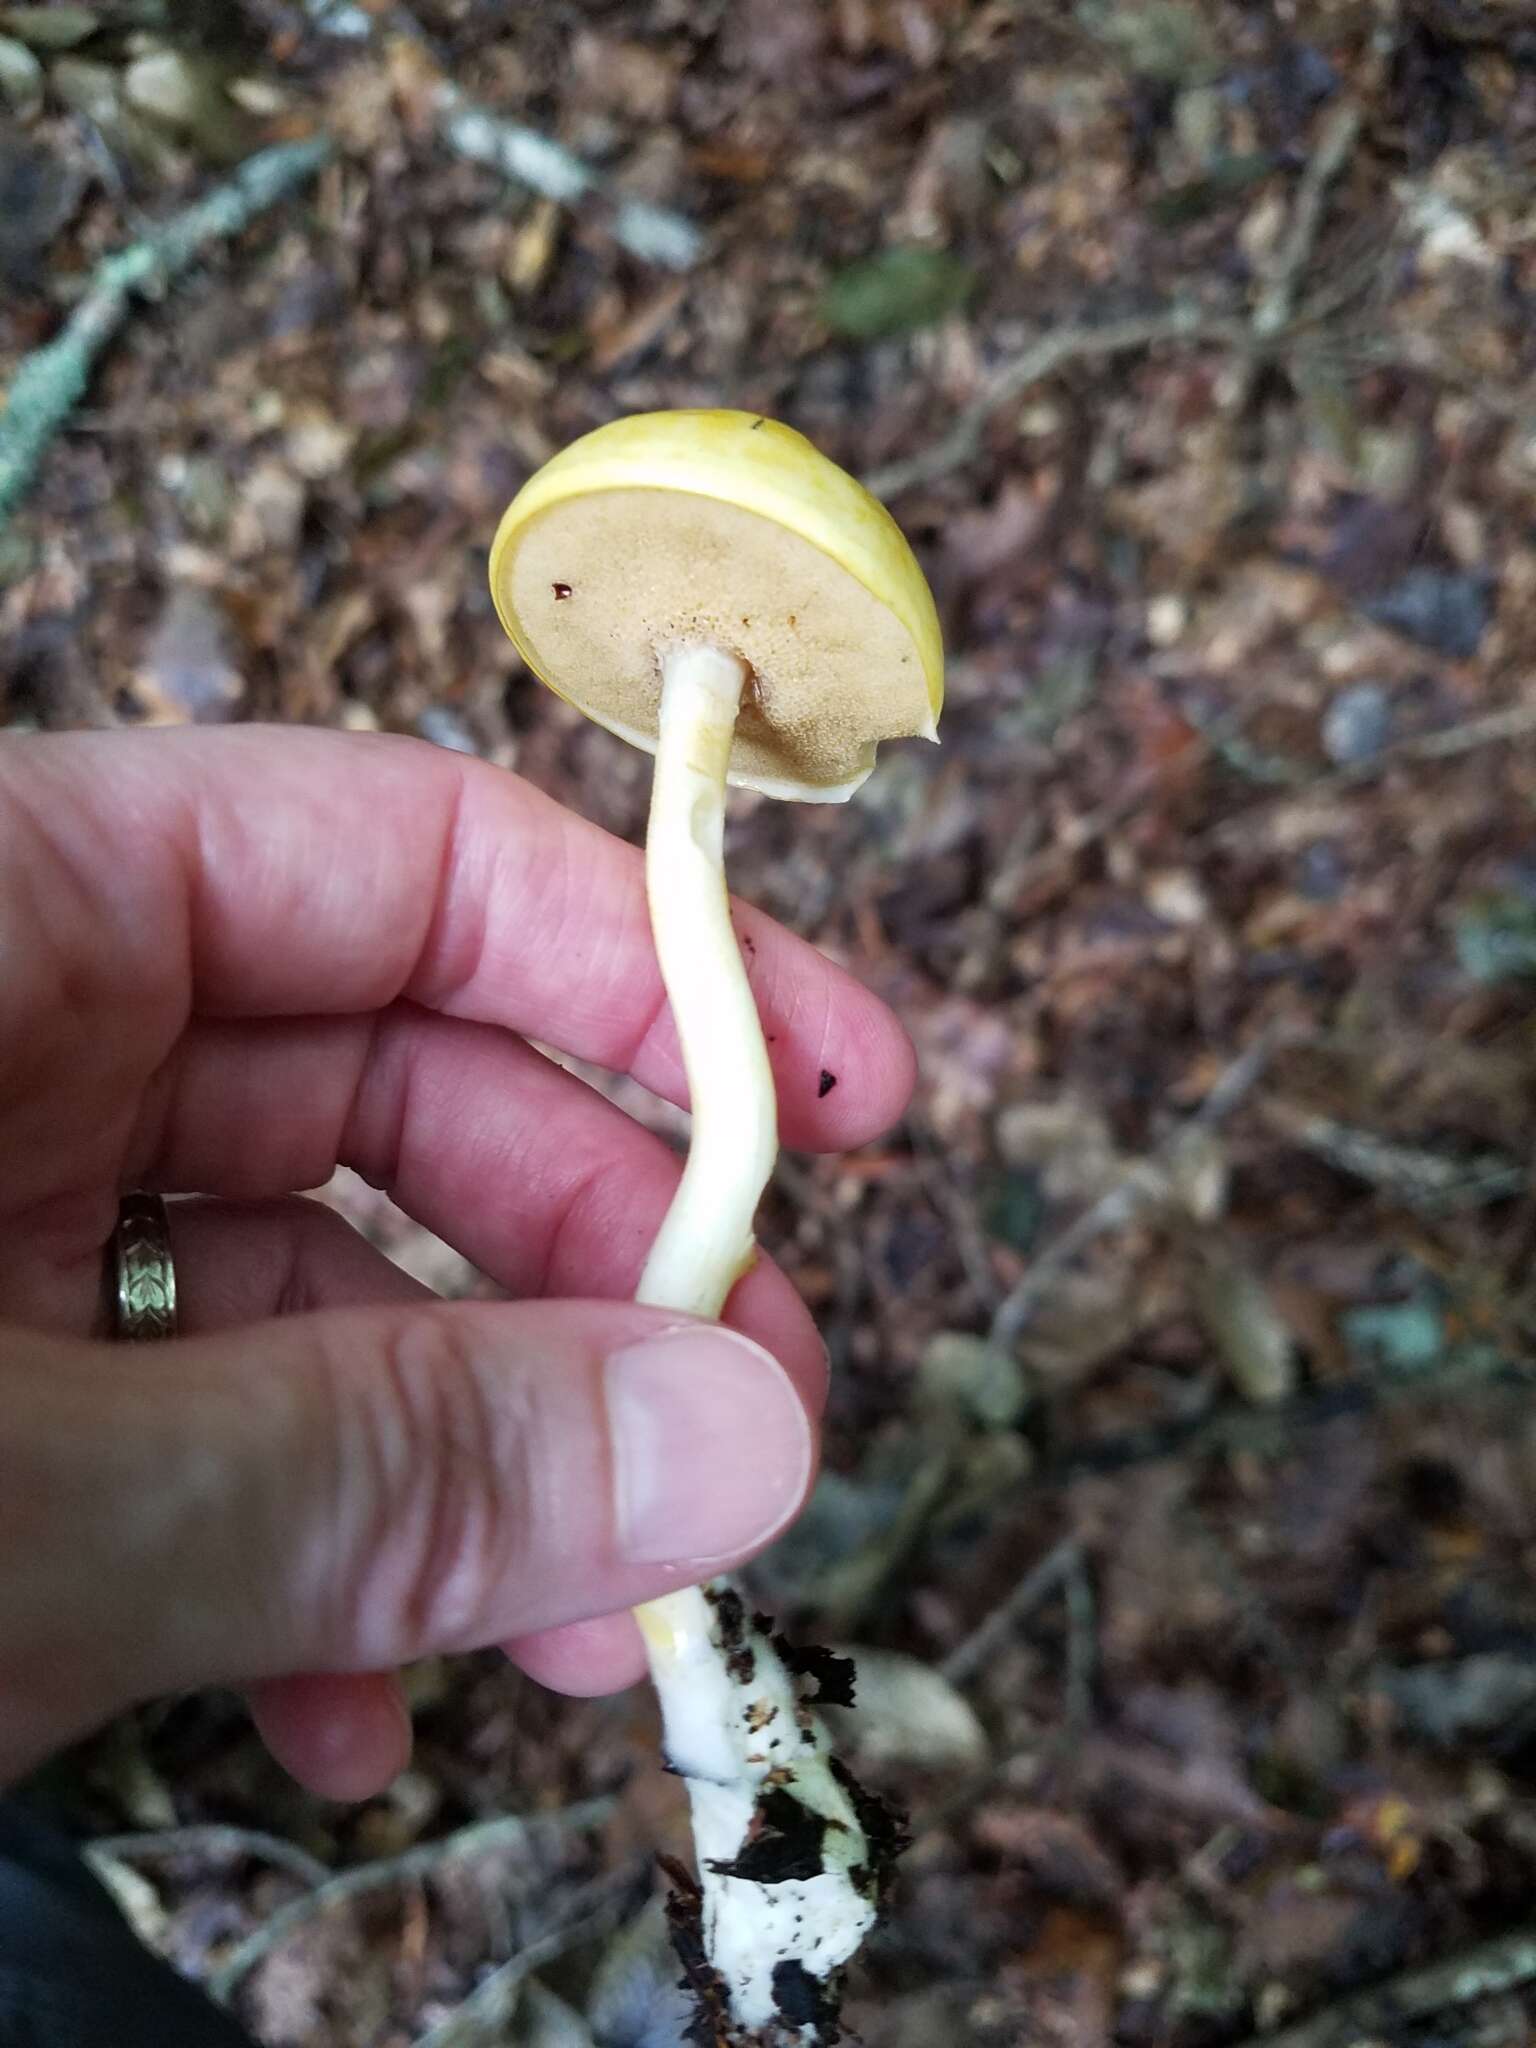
(141, 1272)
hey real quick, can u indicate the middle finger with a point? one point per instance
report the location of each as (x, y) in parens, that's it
(533, 1176)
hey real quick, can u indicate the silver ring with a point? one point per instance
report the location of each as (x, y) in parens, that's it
(145, 1298)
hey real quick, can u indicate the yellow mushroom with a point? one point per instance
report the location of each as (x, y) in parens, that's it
(724, 528)
(712, 588)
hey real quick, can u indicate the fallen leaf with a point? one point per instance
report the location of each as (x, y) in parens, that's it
(1443, 609)
(965, 1375)
(904, 1712)
(1237, 1314)
(635, 2000)
(622, 76)
(51, 28)
(1065, 1860)
(896, 291)
(21, 77)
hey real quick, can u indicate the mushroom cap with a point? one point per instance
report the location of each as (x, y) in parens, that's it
(723, 526)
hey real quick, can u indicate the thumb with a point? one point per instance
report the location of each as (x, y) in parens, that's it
(353, 1489)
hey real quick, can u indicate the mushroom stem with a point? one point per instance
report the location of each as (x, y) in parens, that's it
(705, 1244)
(788, 1874)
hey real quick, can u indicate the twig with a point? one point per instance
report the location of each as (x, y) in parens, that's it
(482, 2017)
(1183, 322)
(521, 155)
(421, 1861)
(1326, 164)
(1144, 1183)
(958, 1210)
(212, 1840)
(1052, 1574)
(1422, 1180)
(1235, 1424)
(1277, 302)
(653, 233)
(1082, 1643)
(1024, 865)
(1499, 1965)
(48, 383)
(1517, 722)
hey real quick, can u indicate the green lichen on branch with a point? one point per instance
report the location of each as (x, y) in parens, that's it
(50, 382)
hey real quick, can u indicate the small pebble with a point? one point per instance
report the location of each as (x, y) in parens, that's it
(1444, 609)
(1357, 725)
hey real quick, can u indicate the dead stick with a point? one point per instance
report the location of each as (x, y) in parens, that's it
(1277, 302)
(518, 153)
(1231, 1425)
(1051, 1574)
(214, 1840)
(482, 2019)
(1144, 1183)
(1515, 722)
(1187, 323)
(1499, 1965)
(50, 381)
(499, 1832)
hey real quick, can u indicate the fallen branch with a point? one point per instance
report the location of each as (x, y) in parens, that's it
(1144, 1184)
(1181, 322)
(215, 1841)
(1234, 1424)
(51, 380)
(1024, 867)
(1502, 1964)
(1422, 1180)
(1277, 302)
(520, 154)
(653, 233)
(1517, 722)
(1042, 359)
(475, 1839)
(482, 2019)
(1051, 1575)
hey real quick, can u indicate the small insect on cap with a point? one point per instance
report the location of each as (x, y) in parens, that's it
(729, 528)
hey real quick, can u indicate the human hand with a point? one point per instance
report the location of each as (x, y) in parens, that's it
(231, 962)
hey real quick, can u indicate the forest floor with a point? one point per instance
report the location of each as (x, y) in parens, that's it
(1183, 1334)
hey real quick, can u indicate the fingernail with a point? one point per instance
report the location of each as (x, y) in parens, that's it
(711, 1446)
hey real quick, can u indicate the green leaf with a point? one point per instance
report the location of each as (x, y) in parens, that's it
(896, 291)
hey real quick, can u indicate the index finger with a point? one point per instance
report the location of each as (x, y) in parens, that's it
(291, 873)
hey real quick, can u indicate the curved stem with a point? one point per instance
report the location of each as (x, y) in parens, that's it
(705, 1244)
(737, 1729)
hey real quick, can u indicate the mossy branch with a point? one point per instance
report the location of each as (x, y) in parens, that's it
(50, 382)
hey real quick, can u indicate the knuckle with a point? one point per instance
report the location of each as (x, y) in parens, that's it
(442, 1442)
